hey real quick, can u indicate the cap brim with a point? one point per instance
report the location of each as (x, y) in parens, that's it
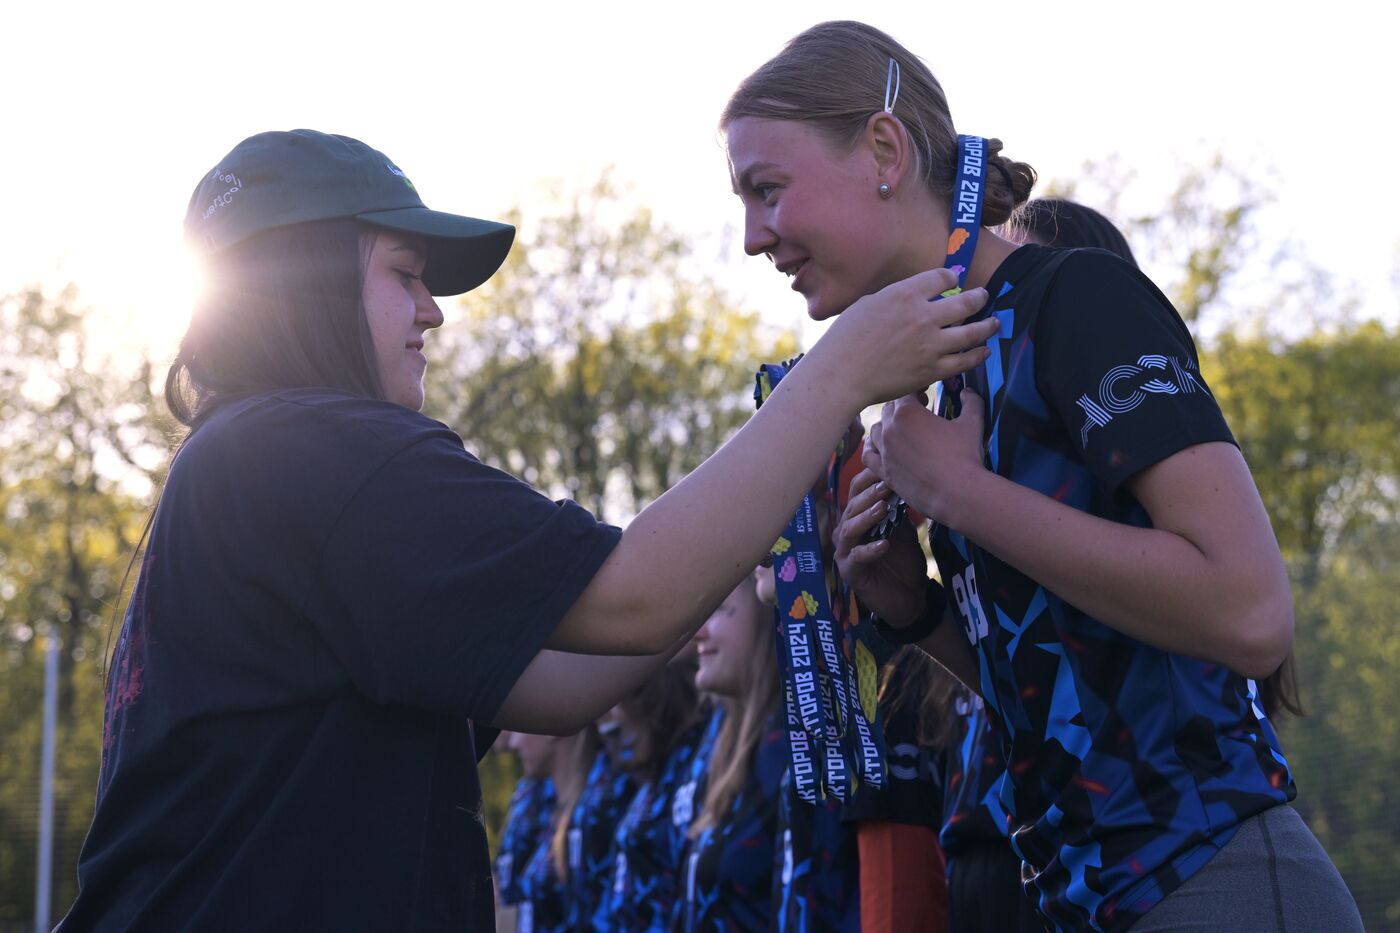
(463, 252)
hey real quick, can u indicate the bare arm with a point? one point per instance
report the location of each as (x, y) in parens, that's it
(684, 553)
(1207, 581)
(559, 693)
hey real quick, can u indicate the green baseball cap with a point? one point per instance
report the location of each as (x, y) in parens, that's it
(276, 179)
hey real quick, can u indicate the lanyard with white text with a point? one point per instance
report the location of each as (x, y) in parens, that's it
(830, 743)
(800, 583)
(965, 221)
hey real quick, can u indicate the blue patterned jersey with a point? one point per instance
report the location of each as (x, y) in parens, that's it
(729, 867)
(816, 886)
(544, 906)
(1127, 767)
(600, 807)
(526, 821)
(648, 847)
(972, 775)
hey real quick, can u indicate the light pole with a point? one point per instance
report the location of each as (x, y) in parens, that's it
(44, 885)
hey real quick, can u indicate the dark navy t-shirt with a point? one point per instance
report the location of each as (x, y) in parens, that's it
(334, 590)
(1128, 767)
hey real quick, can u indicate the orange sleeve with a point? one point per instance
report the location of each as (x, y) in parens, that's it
(903, 878)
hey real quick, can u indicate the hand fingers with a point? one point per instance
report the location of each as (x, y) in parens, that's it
(931, 283)
(859, 483)
(960, 337)
(856, 524)
(877, 492)
(972, 407)
(872, 443)
(958, 307)
(956, 363)
(867, 553)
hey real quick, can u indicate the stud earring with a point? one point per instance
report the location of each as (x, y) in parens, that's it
(885, 190)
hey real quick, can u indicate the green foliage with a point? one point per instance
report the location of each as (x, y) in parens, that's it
(499, 770)
(71, 424)
(599, 364)
(1317, 422)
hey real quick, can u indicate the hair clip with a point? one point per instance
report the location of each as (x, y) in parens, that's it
(891, 85)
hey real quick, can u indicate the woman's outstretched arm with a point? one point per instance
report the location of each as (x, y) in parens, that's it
(685, 552)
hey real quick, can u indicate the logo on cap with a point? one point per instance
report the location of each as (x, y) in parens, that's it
(399, 172)
(222, 200)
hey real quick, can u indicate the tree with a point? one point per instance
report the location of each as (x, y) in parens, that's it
(1316, 421)
(81, 451)
(599, 363)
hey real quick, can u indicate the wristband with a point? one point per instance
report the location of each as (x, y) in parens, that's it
(935, 603)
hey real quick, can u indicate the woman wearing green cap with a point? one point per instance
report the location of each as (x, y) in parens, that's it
(338, 603)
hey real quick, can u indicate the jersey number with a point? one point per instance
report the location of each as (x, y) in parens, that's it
(970, 604)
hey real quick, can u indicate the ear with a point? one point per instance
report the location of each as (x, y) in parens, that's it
(888, 143)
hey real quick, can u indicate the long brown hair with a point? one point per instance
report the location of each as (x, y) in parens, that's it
(658, 713)
(570, 779)
(283, 309)
(833, 76)
(912, 682)
(745, 718)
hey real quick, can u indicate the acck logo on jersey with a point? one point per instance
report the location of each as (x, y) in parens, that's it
(1124, 388)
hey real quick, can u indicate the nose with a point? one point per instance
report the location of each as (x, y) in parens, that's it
(758, 236)
(703, 632)
(429, 314)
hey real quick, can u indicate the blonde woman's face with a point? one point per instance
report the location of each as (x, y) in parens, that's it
(816, 213)
(727, 641)
(400, 312)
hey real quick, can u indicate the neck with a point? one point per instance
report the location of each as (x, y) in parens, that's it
(928, 241)
(992, 251)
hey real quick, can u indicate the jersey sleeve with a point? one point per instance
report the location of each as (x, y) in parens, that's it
(442, 577)
(1119, 368)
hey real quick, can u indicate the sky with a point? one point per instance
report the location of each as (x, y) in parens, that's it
(112, 112)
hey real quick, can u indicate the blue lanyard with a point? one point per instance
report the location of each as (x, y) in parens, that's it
(965, 221)
(831, 740)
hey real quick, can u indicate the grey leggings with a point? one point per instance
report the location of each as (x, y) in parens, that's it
(1272, 877)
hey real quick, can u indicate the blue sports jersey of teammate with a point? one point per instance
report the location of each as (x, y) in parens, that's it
(648, 845)
(1127, 767)
(729, 867)
(600, 806)
(816, 882)
(528, 814)
(972, 774)
(544, 906)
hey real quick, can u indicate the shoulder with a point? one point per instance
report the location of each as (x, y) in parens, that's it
(308, 432)
(1089, 275)
(1095, 293)
(303, 417)
(304, 449)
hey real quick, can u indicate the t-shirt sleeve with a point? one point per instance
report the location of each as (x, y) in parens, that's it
(442, 578)
(1118, 366)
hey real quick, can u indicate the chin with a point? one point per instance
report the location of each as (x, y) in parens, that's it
(820, 308)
